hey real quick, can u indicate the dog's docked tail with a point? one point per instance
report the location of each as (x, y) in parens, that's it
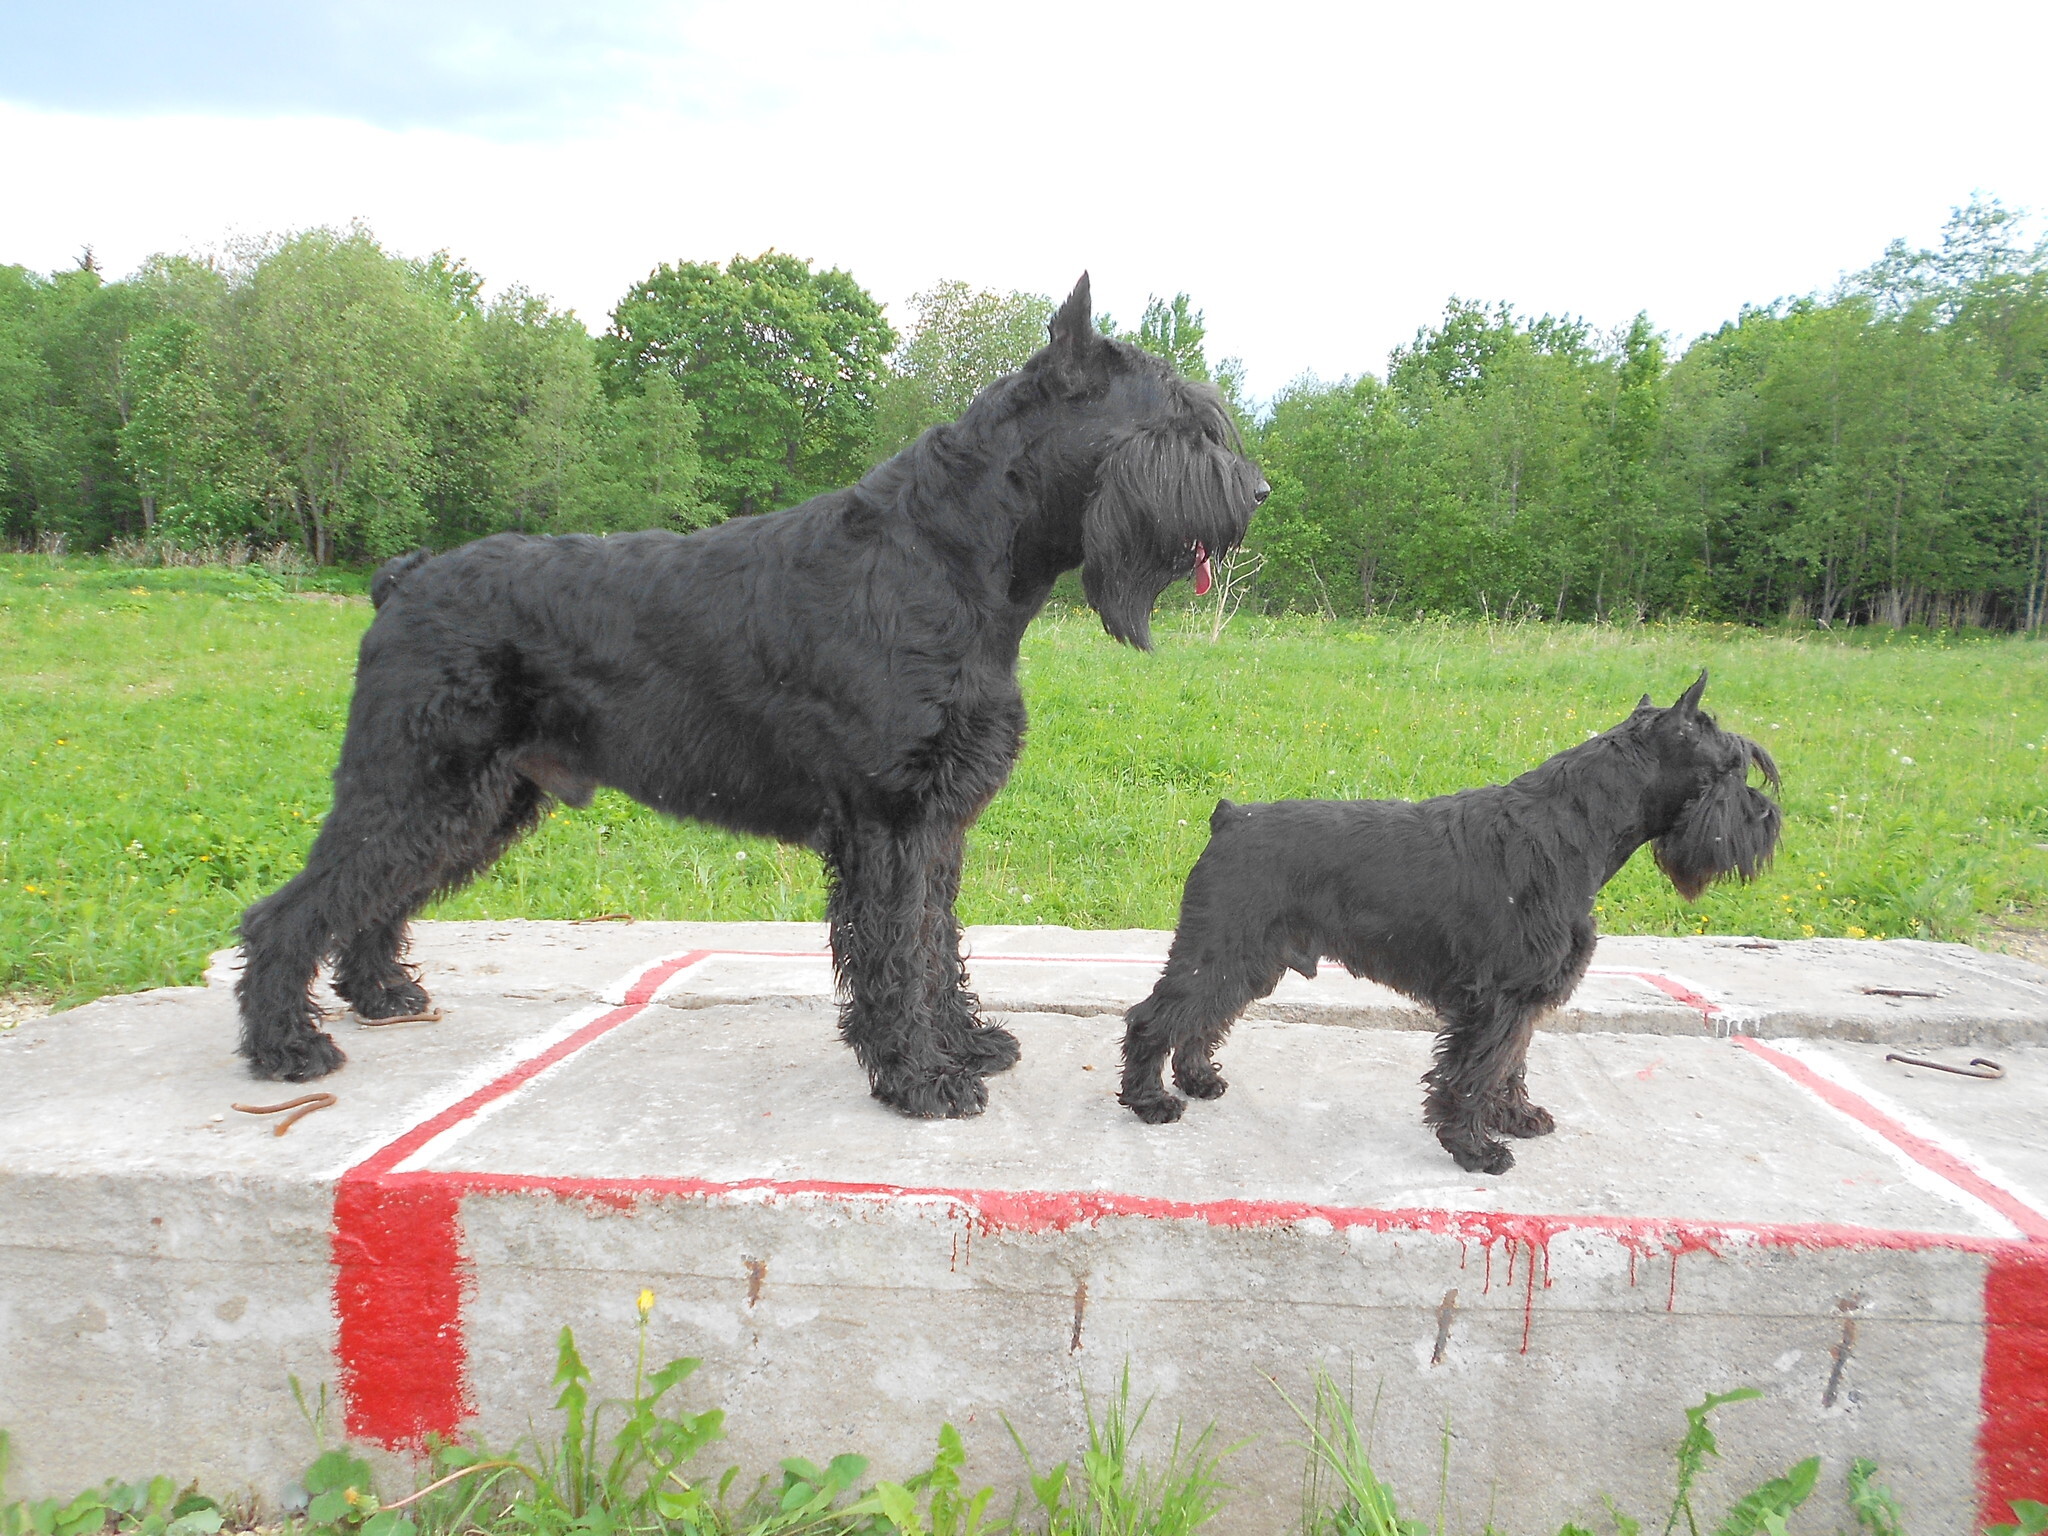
(392, 572)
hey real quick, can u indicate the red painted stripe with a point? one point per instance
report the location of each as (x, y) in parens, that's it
(1669, 986)
(1938, 1160)
(2012, 1433)
(398, 1276)
(1035, 1211)
(398, 1267)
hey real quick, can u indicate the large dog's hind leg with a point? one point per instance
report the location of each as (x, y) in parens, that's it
(286, 935)
(983, 1048)
(879, 918)
(1478, 1054)
(472, 834)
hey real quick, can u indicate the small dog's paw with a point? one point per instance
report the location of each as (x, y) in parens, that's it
(954, 1094)
(298, 1058)
(1522, 1120)
(1200, 1080)
(1481, 1156)
(1163, 1109)
(983, 1049)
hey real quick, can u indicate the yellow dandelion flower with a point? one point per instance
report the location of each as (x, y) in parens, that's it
(645, 1302)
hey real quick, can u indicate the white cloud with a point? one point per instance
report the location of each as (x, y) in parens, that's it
(1320, 178)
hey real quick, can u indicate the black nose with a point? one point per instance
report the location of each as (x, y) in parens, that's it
(1259, 496)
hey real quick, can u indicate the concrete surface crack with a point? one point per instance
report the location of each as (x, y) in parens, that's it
(1446, 1314)
(1847, 1306)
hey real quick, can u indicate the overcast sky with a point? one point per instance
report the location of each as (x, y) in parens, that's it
(1319, 177)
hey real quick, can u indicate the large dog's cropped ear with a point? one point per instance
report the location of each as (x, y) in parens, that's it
(1688, 702)
(1073, 324)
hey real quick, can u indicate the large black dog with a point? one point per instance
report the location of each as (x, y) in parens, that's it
(840, 675)
(1479, 904)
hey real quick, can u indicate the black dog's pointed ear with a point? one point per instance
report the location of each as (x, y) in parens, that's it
(1645, 703)
(1073, 323)
(1689, 701)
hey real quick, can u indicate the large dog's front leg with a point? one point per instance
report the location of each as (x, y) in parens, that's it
(985, 1049)
(881, 878)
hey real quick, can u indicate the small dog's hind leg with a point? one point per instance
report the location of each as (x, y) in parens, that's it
(1191, 1009)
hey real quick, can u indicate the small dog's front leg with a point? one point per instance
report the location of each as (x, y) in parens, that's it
(1511, 1113)
(1460, 1123)
(1195, 1073)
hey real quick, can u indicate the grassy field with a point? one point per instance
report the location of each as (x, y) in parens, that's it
(166, 736)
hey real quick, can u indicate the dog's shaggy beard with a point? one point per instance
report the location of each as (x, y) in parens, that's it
(1164, 502)
(1729, 828)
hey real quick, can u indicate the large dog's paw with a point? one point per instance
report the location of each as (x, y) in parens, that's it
(1479, 1155)
(401, 1000)
(1154, 1109)
(983, 1049)
(1199, 1079)
(951, 1094)
(297, 1058)
(1520, 1118)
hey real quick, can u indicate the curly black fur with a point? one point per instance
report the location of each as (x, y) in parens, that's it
(1479, 904)
(841, 675)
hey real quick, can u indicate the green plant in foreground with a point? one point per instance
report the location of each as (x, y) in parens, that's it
(2031, 1519)
(1119, 1495)
(152, 1508)
(1366, 1505)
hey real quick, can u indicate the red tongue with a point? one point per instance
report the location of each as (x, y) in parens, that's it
(1202, 575)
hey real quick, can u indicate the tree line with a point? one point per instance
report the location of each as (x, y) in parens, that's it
(1875, 454)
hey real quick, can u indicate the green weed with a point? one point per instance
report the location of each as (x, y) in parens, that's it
(1117, 1494)
(1346, 1496)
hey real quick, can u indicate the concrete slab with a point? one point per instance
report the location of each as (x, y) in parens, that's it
(1741, 1191)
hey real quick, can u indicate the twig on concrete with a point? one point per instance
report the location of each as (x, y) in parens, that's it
(303, 1105)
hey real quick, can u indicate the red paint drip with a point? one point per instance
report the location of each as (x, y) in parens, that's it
(2012, 1430)
(1529, 1295)
(1936, 1159)
(399, 1269)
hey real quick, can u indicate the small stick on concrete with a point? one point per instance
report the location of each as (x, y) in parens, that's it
(607, 917)
(304, 1106)
(1993, 1074)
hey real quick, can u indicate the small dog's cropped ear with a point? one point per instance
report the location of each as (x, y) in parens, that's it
(1688, 702)
(1073, 323)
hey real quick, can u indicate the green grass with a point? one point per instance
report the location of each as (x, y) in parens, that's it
(635, 1466)
(166, 736)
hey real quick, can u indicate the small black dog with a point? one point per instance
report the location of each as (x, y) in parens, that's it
(1479, 904)
(841, 675)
